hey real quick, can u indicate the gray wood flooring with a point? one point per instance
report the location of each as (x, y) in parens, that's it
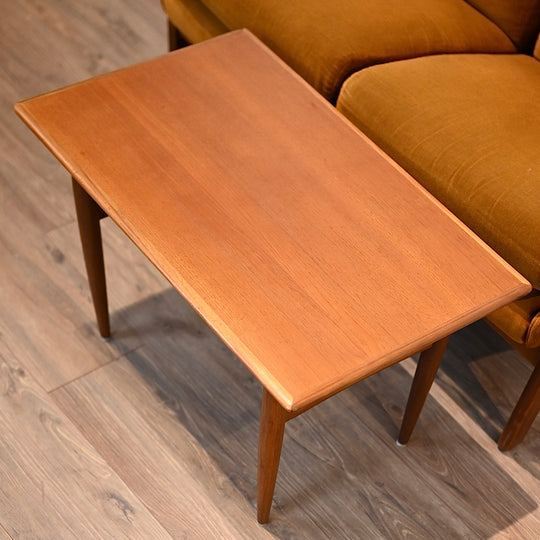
(153, 434)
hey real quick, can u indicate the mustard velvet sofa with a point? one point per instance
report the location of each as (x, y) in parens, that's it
(450, 89)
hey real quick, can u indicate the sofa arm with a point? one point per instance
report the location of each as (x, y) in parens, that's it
(533, 335)
(519, 322)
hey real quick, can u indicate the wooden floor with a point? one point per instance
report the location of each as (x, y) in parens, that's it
(153, 434)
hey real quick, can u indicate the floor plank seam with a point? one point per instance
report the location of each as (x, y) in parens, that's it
(97, 368)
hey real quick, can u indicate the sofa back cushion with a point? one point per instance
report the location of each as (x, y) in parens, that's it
(519, 19)
(537, 48)
(326, 41)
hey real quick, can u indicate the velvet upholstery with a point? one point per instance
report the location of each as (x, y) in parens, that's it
(466, 127)
(520, 19)
(327, 41)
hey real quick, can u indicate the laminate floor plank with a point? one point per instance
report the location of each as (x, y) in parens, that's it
(172, 474)
(459, 472)
(484, 376)
(493, 372)
(52, 304)
(32, 186)
(59, 42)
(528, 525)
(53, 482)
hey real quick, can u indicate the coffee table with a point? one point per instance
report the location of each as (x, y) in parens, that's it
(315, 257)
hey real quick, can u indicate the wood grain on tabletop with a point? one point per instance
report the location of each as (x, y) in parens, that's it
(314, 257)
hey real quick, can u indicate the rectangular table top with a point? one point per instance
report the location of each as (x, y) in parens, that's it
(311, 253)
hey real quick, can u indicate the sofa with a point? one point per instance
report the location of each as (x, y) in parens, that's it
(450, 89)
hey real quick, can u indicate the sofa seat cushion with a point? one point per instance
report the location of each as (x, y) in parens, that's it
(327, 41)
(467, 127)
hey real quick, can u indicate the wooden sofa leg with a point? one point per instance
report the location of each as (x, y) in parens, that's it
(523, 414)
(176, 39)
(88, 215)
(272, 428)
(427, 367)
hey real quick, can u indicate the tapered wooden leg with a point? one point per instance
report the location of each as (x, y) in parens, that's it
(176, 39)
(88, 215)
(523, 414)
(272, 427)
(427, 367)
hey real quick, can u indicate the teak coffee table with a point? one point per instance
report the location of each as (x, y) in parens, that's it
(315, 257)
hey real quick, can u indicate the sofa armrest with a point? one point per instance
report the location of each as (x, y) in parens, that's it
(519, 322)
